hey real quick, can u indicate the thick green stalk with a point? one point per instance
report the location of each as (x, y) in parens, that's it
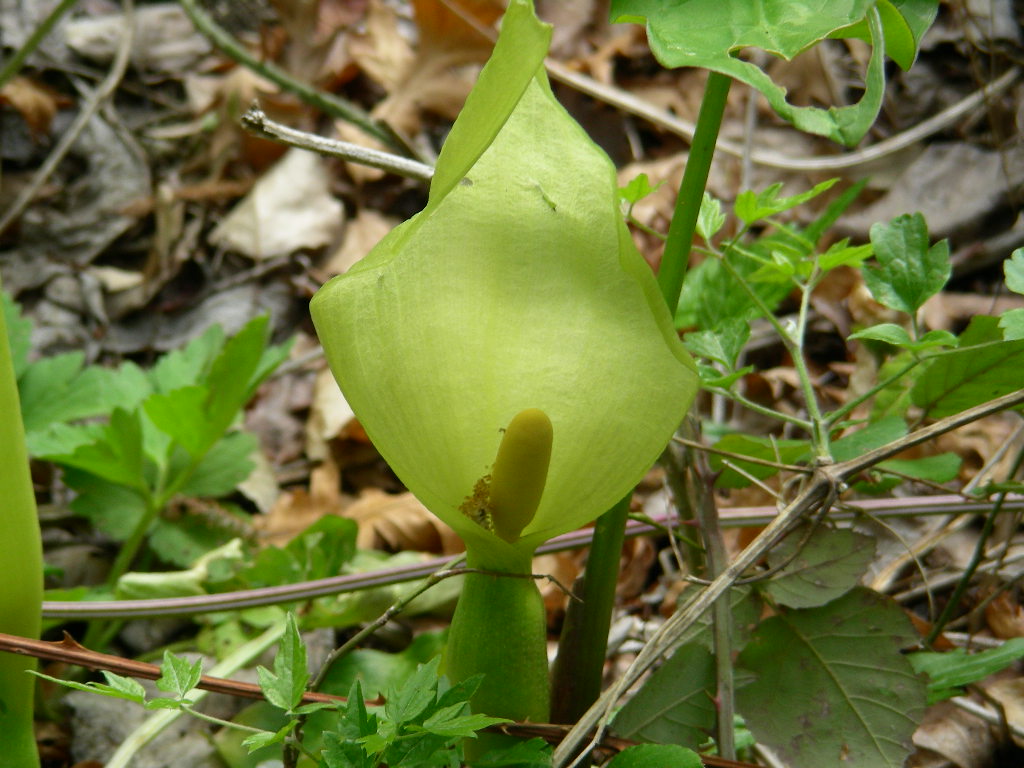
(585, 653)
(21, 580)
(499, 630)
(577, 673)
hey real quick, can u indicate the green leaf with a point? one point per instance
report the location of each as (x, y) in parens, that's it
(19, 333)
(873, 436)
(187, 367)
(981, 369)
(179, 675)
(637, 189)
(408, 700)
(833, 211)
(180, 414)
(710, 219)
(890, 333)
(259, 740)
(381, 671)
(710, 33)
(841, 254)
(116, 687)
(285, 686)
(656, 756)
(781, 451)
(904, 23)
(1013, 268)
(675, 705)
(948, 672)
(818, 565)
(909, 271)
(1012, 324)
(451, 721)
(223, 468)
(113, 508)
(832, 686)
(535, 753)
(753, 206)
(116, 456)
(722, 346)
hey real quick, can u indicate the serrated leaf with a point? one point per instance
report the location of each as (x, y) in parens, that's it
(675, 705)
(408, 700)
(19, 333)
(637, 189)
(116, 687)
(753, 206)
(981, 369)
(116, 455)
(709, 33)
(832, 686)
(223, 468)
(187, 367)
(285, 685)
(817, 566)
(909, 271)
(259, 740)
(948, 672)
(448, 721)
(656, 756)
(710, 218)
(724, 345)
(180, 413)
(842, 254)
(179, 675)
(1013, 268)
(113, 508)
(1012, 324)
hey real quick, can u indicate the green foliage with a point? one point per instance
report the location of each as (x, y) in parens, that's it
(656, 756)
(169, 431)
(674, 706)
(709, 33)
(949, 672)
(817, 565)
(909, 270)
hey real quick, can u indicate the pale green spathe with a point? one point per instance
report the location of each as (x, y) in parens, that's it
(517, 287)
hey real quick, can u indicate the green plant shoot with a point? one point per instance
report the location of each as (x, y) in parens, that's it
(510, 355)
(21, 588)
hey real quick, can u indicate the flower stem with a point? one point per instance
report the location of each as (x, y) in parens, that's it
(499, 630)
(21, 578)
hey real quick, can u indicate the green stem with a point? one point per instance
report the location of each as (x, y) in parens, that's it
(691, 191)
(131, 547)
(577, 673)
(603, 571)
(13, 65)
(21, 575)
(499, 630)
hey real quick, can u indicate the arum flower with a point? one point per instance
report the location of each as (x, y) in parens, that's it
(507, 349)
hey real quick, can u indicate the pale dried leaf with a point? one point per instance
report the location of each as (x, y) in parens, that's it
(289, 208)
(329, 416)
(399, 522)
(362, 232)
(297, 509)
(36, 103)
(963, 740)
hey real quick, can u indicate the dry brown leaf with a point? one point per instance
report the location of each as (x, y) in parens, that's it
(36, 103)
(1009, 692)
(1004, 616)
(362, 233)
(962, 739)
(289, 209)
(398, 523)
(330, 416)
(297, 509)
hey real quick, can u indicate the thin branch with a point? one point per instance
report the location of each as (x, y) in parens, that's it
(824, 485)
(328, 103)
(256, 122)
(70, 651)
(741, 457)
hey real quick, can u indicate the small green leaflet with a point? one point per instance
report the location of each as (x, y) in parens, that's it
(948, 672)
(656, 756)
(1013, 268)
(285, 685)
(896, 335)
(909, 271)
(753, 206)
(179, 675)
